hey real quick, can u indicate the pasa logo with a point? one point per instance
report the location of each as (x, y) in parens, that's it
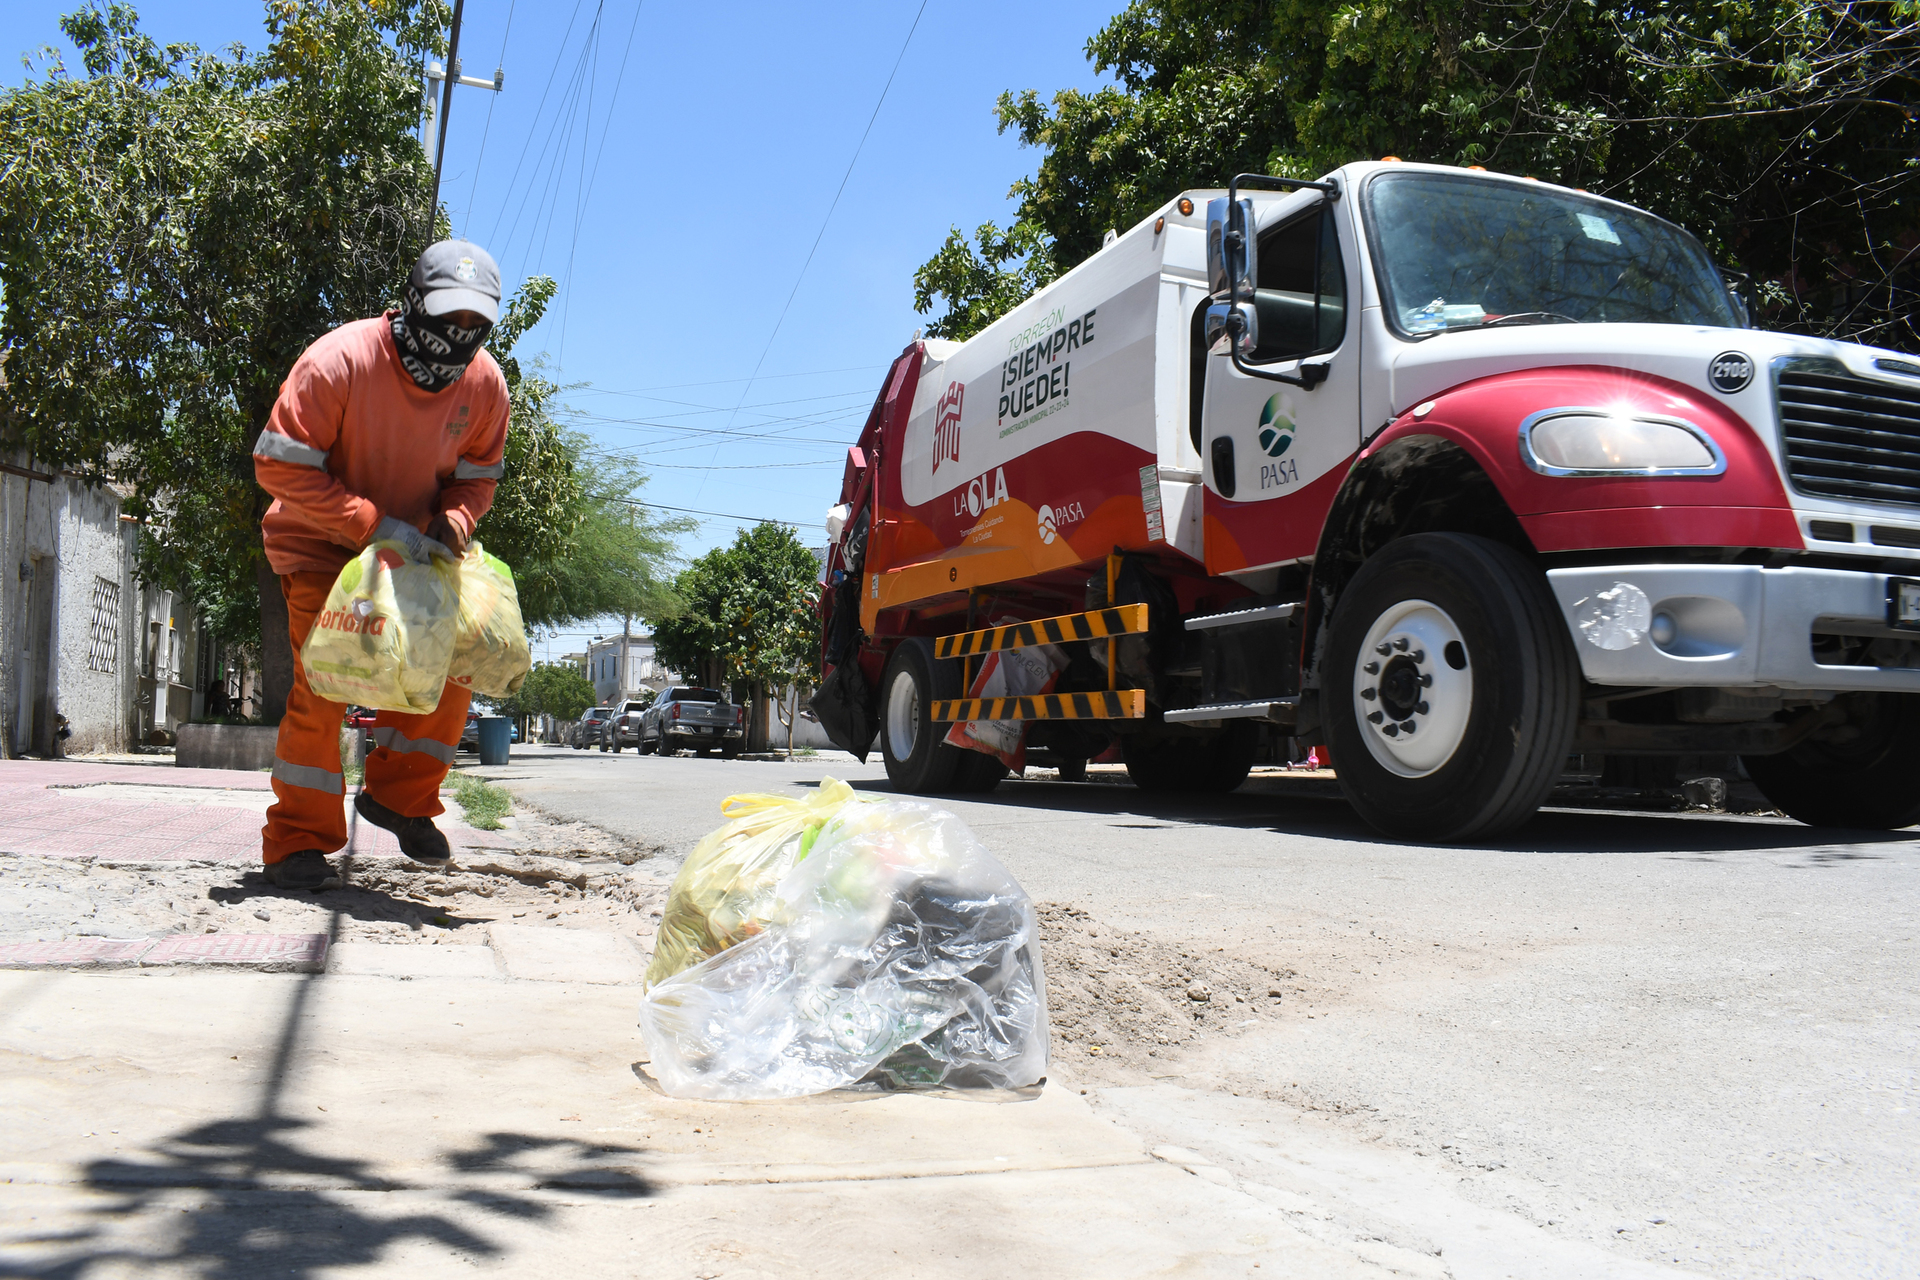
(1276, 429)
(946, 425)
(1047, 530)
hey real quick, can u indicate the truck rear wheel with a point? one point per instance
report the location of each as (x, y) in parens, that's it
(1450, 689)
(1863, 774)
(918, 762)
(1216, 763)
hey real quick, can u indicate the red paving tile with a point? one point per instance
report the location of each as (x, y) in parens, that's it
(304, 951)
(73, 953)
(124, 828)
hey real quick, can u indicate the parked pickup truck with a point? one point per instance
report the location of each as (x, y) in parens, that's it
(622, 728)
(698, 718)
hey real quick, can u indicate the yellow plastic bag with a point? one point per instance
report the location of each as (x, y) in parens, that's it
(490, 653)
(385, 639)
(724, 892)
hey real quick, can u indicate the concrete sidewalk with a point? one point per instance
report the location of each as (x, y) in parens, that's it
(207, 1123)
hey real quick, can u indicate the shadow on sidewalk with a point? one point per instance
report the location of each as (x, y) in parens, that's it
(241, 1197)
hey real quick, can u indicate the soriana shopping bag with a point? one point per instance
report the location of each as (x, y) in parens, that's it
(491, 655)
(385, 639)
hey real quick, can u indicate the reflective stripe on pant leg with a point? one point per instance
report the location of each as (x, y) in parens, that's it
(394, 740)
(408, 781)
(306, 775)
(307, 812)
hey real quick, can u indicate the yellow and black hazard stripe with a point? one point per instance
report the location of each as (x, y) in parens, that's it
(1102, 704)
(1095, 624)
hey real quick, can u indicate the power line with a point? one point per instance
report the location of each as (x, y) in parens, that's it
(579, 212)
(488, 128)
(835, 203)
(721, 382)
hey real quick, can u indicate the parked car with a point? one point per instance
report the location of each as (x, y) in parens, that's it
(623, 727)
(700, 719)
(587, 732)
(359, 718)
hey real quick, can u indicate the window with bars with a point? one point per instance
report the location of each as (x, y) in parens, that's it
(103, 649)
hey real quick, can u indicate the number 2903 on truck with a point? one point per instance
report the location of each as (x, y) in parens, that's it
(1459, 473)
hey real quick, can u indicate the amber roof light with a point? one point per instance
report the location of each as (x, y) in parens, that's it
(1185, 207)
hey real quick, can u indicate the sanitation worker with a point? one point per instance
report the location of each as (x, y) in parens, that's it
(389, 429)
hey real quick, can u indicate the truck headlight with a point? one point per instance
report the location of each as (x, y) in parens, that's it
(1602, 442)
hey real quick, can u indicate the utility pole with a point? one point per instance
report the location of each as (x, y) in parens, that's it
(433, 133)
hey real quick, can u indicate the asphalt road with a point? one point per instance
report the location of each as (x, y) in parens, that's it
(1613, 1043)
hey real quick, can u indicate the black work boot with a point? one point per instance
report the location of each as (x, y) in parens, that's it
(419, 838)
(307, 869)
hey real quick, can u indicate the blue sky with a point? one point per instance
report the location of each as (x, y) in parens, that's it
(705, 184)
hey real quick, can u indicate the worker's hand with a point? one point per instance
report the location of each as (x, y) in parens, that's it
(419, 546)
(443, 529)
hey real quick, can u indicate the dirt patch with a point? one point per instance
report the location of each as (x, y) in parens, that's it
(1120, 1000)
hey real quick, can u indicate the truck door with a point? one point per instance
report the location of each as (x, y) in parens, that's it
(1274, 453)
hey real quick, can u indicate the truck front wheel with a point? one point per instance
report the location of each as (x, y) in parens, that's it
(1863, 773)
(918, 762)
(1450, 689)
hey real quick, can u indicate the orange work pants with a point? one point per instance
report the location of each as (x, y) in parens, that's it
(410, 759)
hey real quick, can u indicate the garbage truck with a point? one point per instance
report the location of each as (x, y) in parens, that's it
(1461, 474)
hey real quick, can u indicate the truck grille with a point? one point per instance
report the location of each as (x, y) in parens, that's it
(1848, 437)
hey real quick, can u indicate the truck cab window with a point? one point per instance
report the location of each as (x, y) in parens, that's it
(1301, 294)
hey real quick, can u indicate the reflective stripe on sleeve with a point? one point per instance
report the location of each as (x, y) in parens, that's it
(394, 740)
(272, 444)
(464, 470)
(308, 776)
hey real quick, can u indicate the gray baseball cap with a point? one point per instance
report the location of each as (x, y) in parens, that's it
(458, 275)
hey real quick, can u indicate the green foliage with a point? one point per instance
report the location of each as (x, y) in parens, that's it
(984, 284)
(564, 514)
(483, 803)
(552, 688)
(1783, 132)
(751, 613)
(175, 228)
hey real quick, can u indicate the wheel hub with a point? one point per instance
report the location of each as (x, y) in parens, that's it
(903, 716)
(1412, 688)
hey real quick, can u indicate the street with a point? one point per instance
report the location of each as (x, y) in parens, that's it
(1619, 1044)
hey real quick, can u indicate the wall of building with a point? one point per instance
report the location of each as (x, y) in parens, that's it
(66, 562)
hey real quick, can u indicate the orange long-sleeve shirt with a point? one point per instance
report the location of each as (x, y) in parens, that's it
(352, 439)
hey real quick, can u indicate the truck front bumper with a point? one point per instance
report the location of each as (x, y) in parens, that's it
(1684, 625)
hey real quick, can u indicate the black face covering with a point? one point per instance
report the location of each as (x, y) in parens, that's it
(432, 350)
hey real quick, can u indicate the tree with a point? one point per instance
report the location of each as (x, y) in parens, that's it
(565, 515)
(175, 228)
(751, 618)
(1782, 132)
(555, 689)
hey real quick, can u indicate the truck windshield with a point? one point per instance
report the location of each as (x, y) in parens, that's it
(1463, 253)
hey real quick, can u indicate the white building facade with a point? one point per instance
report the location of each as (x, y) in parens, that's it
(620, 666)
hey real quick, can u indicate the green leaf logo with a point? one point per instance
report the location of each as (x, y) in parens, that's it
(1276, 429)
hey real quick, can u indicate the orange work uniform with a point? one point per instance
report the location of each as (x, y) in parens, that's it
(350, 440)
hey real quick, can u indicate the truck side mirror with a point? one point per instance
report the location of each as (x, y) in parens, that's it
(1231, 251)
(1221, 327)
(1738, 301)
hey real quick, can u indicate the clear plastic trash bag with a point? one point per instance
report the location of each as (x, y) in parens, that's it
(491, 655)
(894, 948)
(725, 892)
(385, 638)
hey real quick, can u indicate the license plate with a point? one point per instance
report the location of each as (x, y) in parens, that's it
(1903, 603)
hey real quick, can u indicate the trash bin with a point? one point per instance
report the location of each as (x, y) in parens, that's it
(496, 739)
